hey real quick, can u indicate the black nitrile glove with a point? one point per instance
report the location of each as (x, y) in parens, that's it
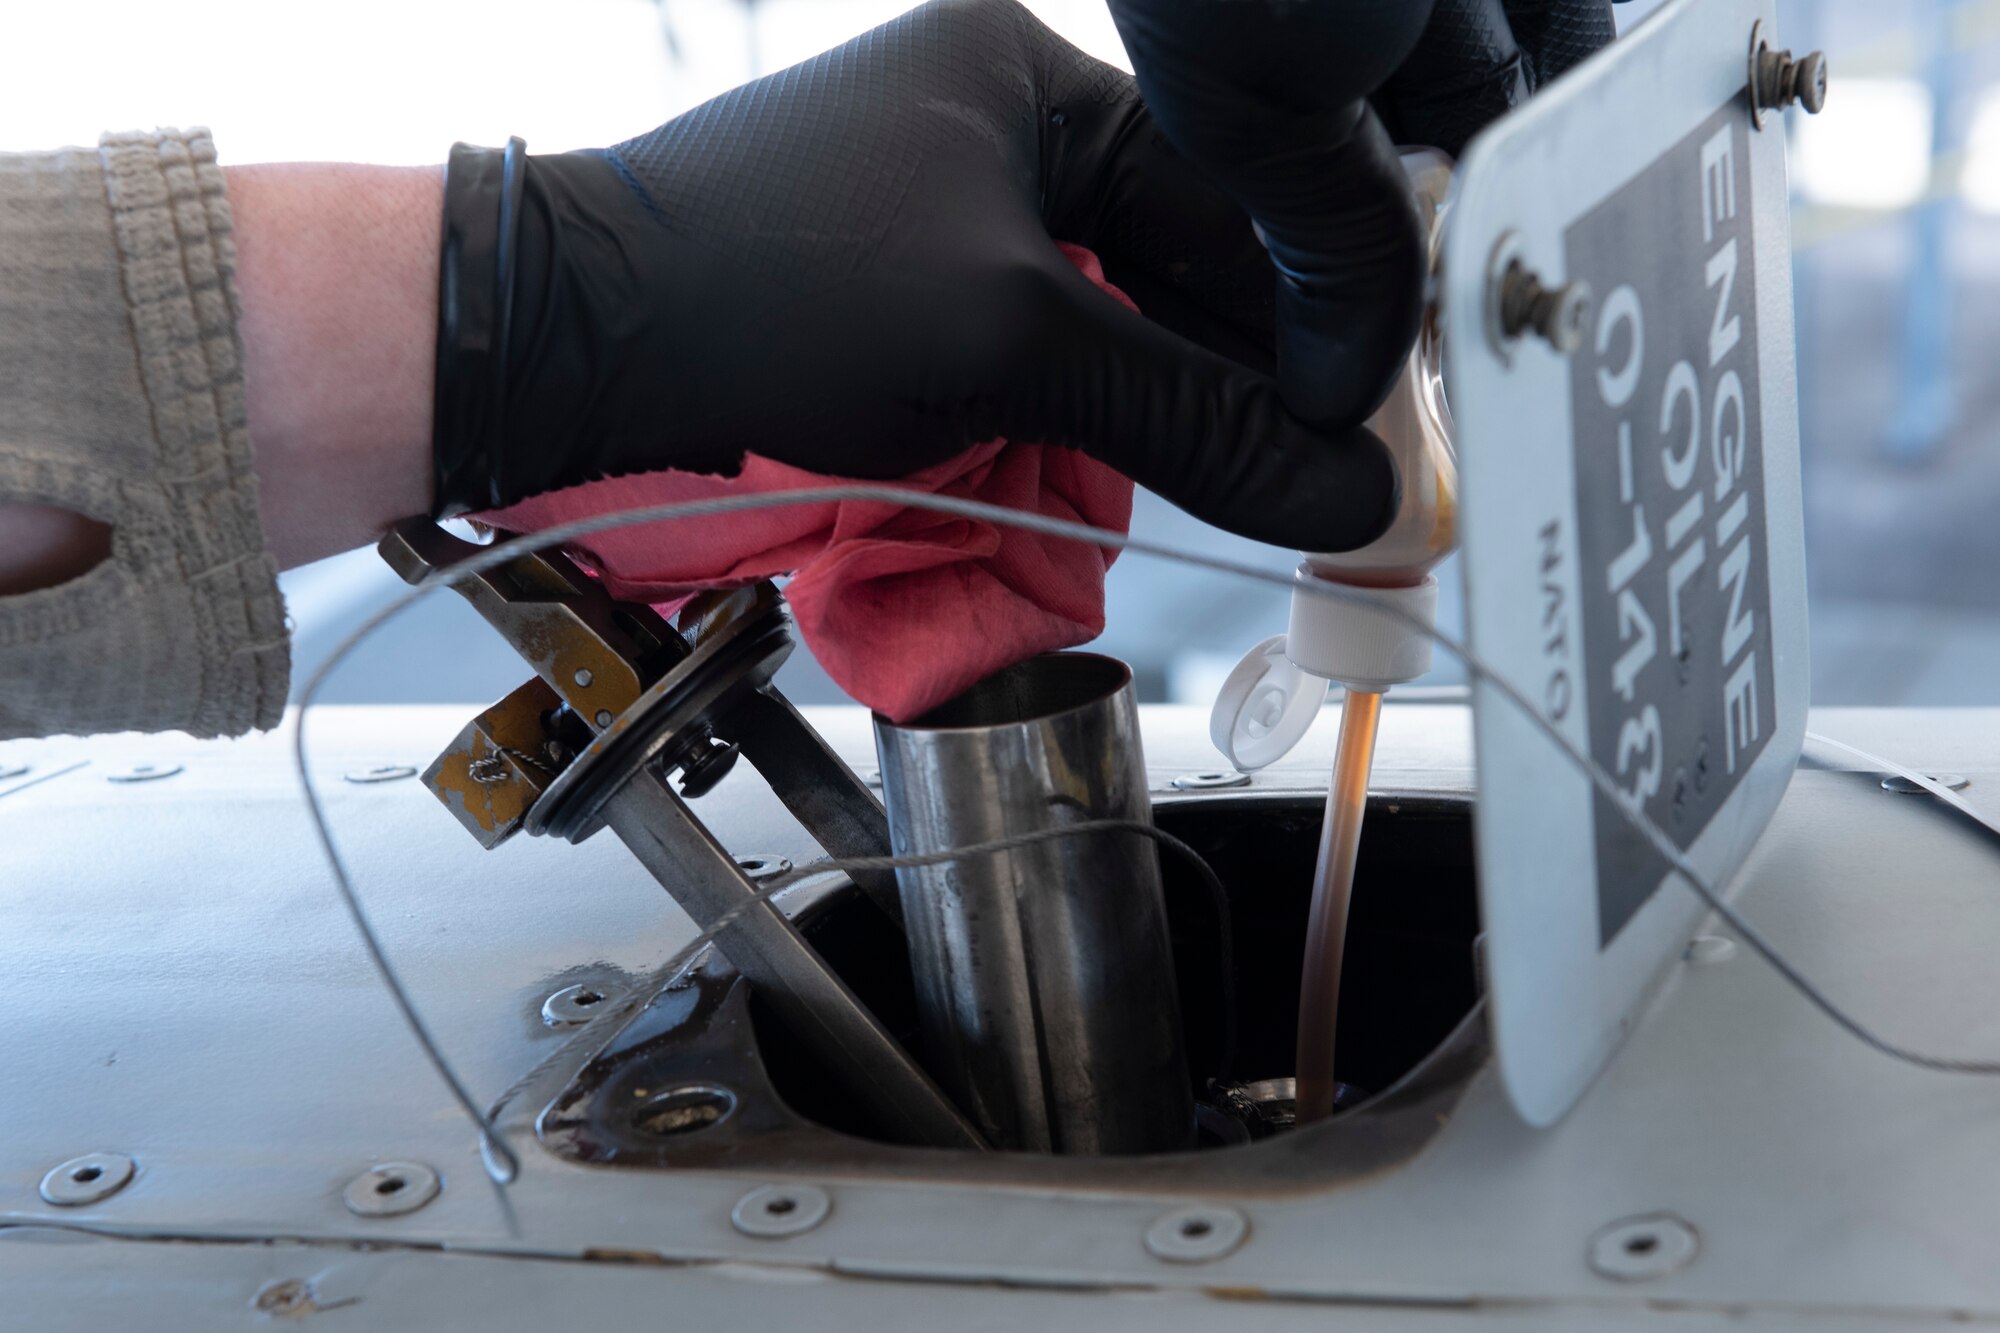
(1272, 99)
(847, 266)
(1478, 59)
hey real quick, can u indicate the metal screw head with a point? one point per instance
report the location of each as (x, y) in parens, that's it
(143, 773)
(1809, 82)
(1556, 315)
(389, 1189)
(1563, 316)
(1210, 781)
(1778, 81)
(1196, 1235)
(380, 773)
(775, 1211)
(763, 865)
(1901, 785)
(87, 1179)
(573, 1006)
(1635, 1249)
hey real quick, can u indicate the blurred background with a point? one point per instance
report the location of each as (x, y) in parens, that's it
(1896, 215)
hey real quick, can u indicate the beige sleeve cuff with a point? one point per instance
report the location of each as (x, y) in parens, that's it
(121, 397)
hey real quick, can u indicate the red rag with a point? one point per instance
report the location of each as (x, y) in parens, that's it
(905, 608)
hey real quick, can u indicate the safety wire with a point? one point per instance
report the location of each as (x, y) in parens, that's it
(502, 1163)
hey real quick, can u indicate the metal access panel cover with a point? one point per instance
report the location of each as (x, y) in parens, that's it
(1632, 526)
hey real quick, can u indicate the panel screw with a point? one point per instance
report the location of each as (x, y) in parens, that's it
(775, 1211)
(763, 865)
(1638, 1248)
(1901, 785)
(1210, 781)
(87, 1179)
(573, 1006)
(389, 1189)
(380, 773)
(1777, 80)
(143, 773)
(1196, 1235)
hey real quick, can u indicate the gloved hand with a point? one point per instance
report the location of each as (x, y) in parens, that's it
(1477, 59)
(1271, 98)
(848, 266)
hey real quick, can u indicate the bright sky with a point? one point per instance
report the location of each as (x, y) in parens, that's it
(400, 80)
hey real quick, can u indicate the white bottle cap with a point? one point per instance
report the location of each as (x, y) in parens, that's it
(1265, 706)
(1365, 638)
(1271, 698)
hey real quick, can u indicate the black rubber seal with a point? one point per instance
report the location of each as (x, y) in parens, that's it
(482, 217)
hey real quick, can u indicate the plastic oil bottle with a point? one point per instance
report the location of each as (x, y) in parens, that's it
(1369, 642)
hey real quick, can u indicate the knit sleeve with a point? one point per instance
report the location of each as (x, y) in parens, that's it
(121, 398)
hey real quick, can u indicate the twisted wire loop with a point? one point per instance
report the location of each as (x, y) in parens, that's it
(502, 1163)
(491, 769)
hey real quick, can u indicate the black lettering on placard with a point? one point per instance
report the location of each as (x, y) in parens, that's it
(1558, 689)
(1675, 604)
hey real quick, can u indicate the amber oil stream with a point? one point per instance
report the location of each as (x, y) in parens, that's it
(1333, 888)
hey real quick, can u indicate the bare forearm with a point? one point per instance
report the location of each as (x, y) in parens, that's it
(337, 266)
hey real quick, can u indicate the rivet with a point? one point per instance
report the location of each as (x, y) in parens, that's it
(380, 773)
(389, 1189)
(763, 865)
(1636, 1249)
(289, 1296)
(775, 1211)
(1709, 949)
(573, 1006)
(87, 1179)
(1902, 786)
(583, 677)
(143, 773)
(1196, 1235)
(1210, 781)
(603, 717)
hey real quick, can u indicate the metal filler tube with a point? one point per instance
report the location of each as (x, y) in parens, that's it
(1045, 979)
